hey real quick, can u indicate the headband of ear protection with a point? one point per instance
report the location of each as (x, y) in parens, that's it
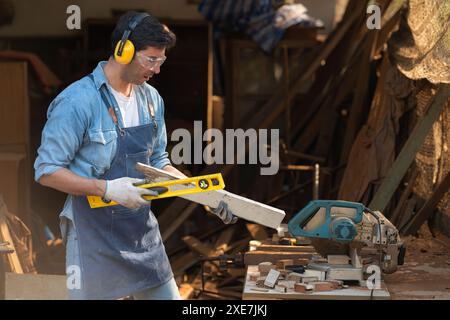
(124, 51)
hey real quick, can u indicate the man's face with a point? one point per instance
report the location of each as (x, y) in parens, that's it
(145, 64)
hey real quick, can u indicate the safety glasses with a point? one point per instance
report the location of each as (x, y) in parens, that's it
(149, 62)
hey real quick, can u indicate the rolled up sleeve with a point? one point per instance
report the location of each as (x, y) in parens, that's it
(160, 158)
(62, 136)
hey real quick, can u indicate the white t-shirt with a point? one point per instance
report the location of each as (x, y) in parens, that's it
(128, 107)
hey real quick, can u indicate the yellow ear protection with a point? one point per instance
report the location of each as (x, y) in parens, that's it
(124, 51)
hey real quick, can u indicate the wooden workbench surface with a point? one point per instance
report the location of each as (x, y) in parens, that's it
(353, 292)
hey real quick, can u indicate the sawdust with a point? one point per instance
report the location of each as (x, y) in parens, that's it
(426, 272)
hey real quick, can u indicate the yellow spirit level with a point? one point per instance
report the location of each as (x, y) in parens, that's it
(171, 188)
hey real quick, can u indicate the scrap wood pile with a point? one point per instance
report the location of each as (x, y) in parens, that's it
(374, 117)
(282, 278)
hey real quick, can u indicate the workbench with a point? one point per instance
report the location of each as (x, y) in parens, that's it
(351, 293)
(267, 251)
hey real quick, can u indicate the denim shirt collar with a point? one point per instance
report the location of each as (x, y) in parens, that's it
(99, 75)
(143, 97)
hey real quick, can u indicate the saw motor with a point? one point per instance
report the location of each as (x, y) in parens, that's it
(338, 226)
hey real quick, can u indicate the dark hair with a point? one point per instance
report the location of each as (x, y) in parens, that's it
(148, 33)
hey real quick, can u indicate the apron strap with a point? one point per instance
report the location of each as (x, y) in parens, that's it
(151, 109)
(112, 113)
(108, 105)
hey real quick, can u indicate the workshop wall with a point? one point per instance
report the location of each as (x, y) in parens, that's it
(36, 13)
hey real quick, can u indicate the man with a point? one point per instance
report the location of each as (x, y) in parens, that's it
(97, 130)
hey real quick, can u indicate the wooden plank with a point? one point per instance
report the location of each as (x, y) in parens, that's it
(186, 291)
(185, 214)
(242, 207)
(201, 236)
(257, 232)
(5, 236)
(409, 150)
(35, 287)
(429, 207)
(239, 246)
(14, 113)
(223, 241)
(284, 248)
(396, 216)
(183, 262)
(199, 247)
(256, 257)
(338, 259)
(203, 250)
(12, 182)
(408, 213)
(357, 109)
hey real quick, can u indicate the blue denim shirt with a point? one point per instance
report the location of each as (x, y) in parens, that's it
(80, 134)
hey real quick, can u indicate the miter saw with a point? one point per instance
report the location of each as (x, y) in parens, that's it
(342, 227)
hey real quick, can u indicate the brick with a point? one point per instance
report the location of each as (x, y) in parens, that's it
(280, 288)
(254, 276)
(289, 284)
(285, 273)
(281, 264)
(303, 288)
(301, 261)
(265, 267)
(337, 284)
(297, 277)
(323, 286)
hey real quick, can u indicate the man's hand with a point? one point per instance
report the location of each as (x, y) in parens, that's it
(125, 192)
(224, 213)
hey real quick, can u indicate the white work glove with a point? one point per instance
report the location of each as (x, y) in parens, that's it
(224, 213)
(125, 192)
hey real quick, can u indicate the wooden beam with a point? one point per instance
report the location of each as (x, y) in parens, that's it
(224, 239)
(5, 236)
(409, 150)
(256, 257)
(200, 247)
(284, 248)
(395, 217)
(183, 262)
(175, 224)
(257, 231)
(359, 99)
(429, 207)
